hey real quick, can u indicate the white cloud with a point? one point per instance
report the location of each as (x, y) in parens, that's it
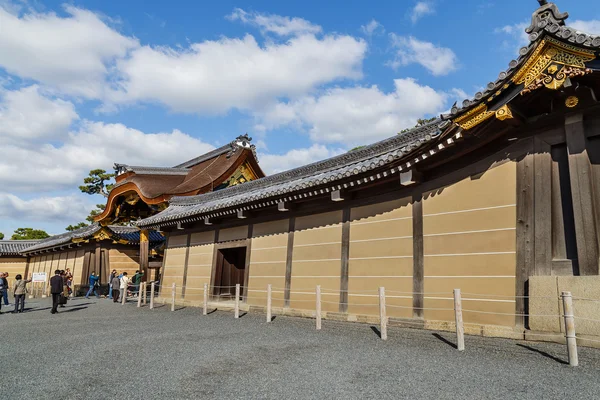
(95, 145)
(591, 26)
(216, 76)
(60, 208)
(517, 37)
(357, 115)
(282, 26)
(421, 9)
(372, 28)
(72, 54)
(26, 114)
(437, 60)
(273, 163)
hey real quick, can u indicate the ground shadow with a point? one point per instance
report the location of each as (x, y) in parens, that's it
(71, 309)
(180, 308)
(543, 353)
(377, 331)
(243, 314)
(211, 312)
(36, 309)
(443, 339)
(273, 318)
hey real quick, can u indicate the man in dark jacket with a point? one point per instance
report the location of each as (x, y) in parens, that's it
(56, 289)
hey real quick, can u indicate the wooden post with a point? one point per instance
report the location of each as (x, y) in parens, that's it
(237, 300)
(144, 292)
(173, 297)
(318, 307)
(152, 286)
(144, 250)
(570, 329)
(382, 316)
(460, 328)
(205, 303)
(139, 301)
(123, 295)
(269, 302)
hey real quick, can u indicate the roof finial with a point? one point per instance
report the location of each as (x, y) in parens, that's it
(542, 2)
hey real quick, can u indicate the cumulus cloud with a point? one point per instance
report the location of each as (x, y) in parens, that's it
(26, 114)
(421, 9)
(72, 54)
(437, 60)
(273, 163)
(280, 25)
(59, 208)
(356, 115)
(372, 28)
(591, 26)
(216, 76)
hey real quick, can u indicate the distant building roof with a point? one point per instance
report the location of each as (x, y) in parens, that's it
(14, 247)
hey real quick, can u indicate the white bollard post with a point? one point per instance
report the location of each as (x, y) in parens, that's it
(144, 292)
(318, 307)
(173, 297)
(205, 304)
(460, 327)
(237, 300)
(570, 329)
(269, 302)
(139, 302)
(44, 290)
(382, 316)
(152, 286)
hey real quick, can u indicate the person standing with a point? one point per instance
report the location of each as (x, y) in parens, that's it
(123, 283)
(19, 291)
(113, 274)
(93, 283)
(115, 285)
(69, 279)
(3, 288)
(137, 279)
(5, 292)
(56, 289)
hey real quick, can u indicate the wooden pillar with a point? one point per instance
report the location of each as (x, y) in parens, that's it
(580, 173)
(288, 263)
(525, 234)
(144, 250)
(418, 256)
(343, 306)
(97, 262)
(185, 267)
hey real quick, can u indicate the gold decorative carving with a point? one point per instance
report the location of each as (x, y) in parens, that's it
(474, 117)
(571, 101)
(102, 234)
(504, 113)
(551, 64)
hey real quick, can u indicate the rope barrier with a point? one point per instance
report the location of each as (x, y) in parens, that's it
(586, 319)
(514, 315)
(584, 299)
(509, 296)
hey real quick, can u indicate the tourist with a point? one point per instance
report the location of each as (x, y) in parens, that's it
(93, 284)
(115, 284)
(113, 275)
(56, 289)
(3, 288)
(19, 291)
(65, 293)
(137, 279)
(124, 282)
(5, 292)
(69, 279)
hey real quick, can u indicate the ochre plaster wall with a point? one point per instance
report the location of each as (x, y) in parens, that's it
(469, 238)
(381, 255)
(14, 266)
(199, 265)
(316, 260)
(268, 262)
(174, 262)
(124, 260)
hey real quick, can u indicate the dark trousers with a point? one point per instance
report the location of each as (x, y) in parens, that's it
(55, 302)
(115, 294)
(5, 295)
(19, 302)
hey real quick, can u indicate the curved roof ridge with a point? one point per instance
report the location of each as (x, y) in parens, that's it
(547, 20)
(321, 166)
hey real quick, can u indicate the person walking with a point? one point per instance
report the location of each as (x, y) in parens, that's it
(19, 291)
(123, 283)
(93, 283)
(5, 292)
(113, 274)
(115, 285)
(56, 289)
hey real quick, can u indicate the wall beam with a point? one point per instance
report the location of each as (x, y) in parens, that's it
(288, 261)
(418, 256)
(343, 307)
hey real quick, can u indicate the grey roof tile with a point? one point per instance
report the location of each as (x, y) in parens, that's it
(14, 247)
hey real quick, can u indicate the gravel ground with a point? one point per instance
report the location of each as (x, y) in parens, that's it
(94, 349)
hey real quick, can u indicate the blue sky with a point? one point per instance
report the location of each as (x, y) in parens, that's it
(84, 84)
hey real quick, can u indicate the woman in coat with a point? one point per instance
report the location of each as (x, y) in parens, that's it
(19, 291)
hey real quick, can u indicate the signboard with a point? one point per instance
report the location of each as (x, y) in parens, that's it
(38, 277)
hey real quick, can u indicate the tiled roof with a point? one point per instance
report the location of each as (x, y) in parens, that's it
(14, 247)
(546, 21)
(130, 233)
(326, 171)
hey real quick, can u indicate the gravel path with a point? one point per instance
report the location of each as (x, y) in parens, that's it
(94, 349)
